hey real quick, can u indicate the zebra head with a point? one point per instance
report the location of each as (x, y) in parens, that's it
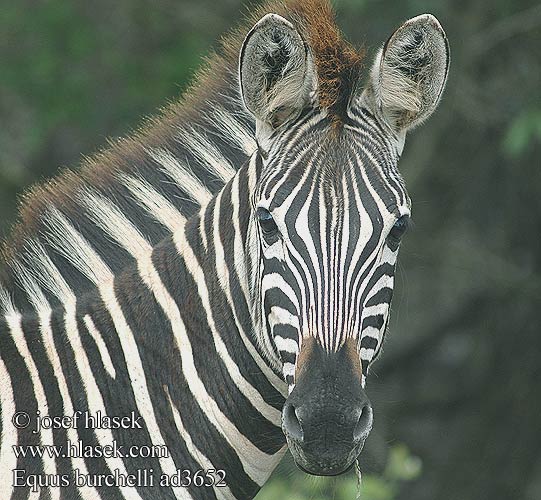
(330, 209)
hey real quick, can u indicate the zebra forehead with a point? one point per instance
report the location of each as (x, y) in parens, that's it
(329, 172)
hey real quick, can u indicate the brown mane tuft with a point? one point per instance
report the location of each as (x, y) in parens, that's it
(338, 62)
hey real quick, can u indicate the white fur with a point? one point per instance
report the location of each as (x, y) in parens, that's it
(102, 347)
(286, 345)
(208, 154)
(180, 173)
(8, 461)
(195, 452)
(156, 204)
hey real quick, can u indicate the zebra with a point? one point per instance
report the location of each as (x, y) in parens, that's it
(210, 292)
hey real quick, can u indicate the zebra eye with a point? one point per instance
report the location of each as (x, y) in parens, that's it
(268, 226)
(399, 228)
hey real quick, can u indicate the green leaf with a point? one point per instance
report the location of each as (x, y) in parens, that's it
(524, 129)
(374, 488)
(402, 466)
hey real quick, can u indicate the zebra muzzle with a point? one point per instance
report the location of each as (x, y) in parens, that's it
(327, 417)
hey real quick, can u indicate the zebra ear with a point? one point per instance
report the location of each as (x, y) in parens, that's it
(409, 74)
(277, 73)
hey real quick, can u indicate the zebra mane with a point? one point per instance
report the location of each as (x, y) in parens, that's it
(152, 181)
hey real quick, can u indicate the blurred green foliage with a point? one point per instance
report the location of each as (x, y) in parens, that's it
(401, 466)
(524, 131)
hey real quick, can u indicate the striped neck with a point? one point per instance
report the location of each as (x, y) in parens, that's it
(207, 267)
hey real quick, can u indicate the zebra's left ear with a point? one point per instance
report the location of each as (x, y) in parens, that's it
(409, 73)
(277, 73)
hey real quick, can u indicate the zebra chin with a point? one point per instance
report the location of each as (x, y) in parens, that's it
(323, 465)
(327, 417)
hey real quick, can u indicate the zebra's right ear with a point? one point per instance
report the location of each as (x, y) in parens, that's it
(277, 73)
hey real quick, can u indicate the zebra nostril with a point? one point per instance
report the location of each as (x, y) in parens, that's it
(291, 423)
(364, 424)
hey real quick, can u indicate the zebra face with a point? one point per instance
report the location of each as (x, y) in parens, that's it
(330, 224)
(331, 208)
(330, 219)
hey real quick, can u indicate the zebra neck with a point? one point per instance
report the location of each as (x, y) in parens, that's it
(169, 337)
(205, 269)
(221, 243)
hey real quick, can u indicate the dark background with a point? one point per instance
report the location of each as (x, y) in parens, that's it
(457, 392)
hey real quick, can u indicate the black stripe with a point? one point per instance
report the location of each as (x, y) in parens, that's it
(369, 342)
(246, 364)
(162, 367)
(382, 296)
(25, 401)
(265, 435)
(118, 393)
(211, 370)
(53, 397)
(373, 321)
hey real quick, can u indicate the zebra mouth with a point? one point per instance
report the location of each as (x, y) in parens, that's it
(336, 471)
(317, 459)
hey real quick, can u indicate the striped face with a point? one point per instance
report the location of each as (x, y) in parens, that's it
(331, 210)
